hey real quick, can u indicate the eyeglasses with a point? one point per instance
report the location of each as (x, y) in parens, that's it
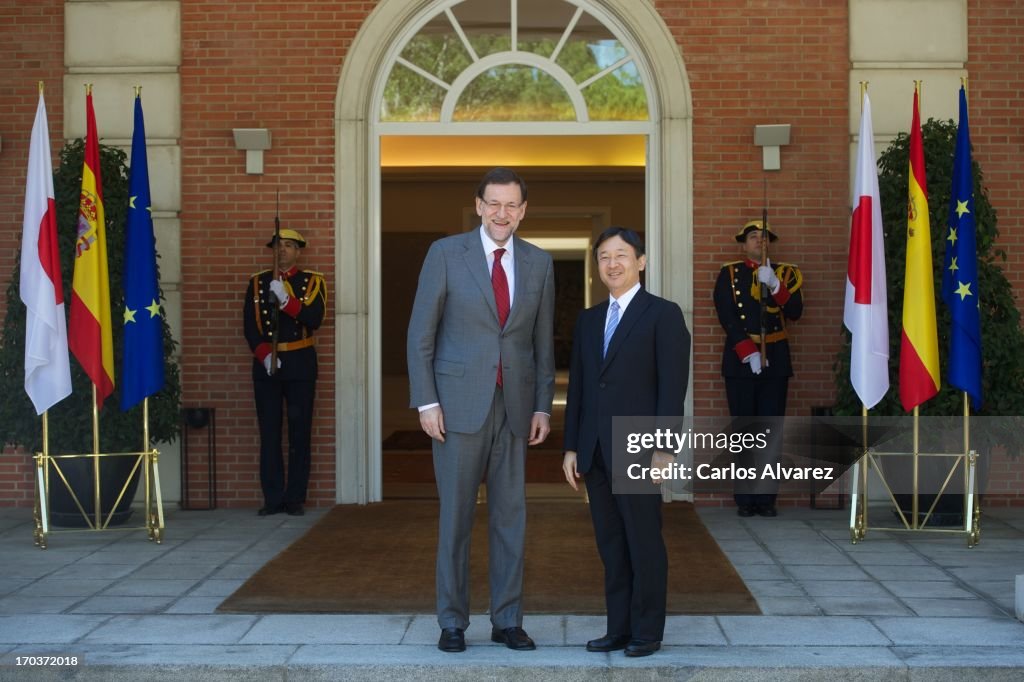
(496, 206)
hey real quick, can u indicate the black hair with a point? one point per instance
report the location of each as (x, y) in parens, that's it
(501, 176)
(627, 235)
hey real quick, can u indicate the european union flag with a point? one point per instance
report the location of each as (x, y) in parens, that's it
(143, 372)
(960, 272)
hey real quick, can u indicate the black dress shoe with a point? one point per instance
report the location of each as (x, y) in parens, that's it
(642, 647)
(514, 638)
(608, 643)
(744, 511)
(267, 510)
(452, 640)
(767, 510)
(294, 509)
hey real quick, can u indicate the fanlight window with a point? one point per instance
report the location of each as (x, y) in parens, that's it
(514, 60)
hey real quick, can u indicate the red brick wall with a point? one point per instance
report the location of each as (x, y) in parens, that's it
(267, 67)
(31, 50)
(995, 62)
(769, 62)
(996, 99)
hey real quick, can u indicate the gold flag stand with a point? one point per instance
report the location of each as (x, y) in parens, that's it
(147, 459)
(967, 460)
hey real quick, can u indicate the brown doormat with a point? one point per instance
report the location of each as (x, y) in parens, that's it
(542, 466)
(380, 559)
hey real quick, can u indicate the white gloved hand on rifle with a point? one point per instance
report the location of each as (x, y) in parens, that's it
(766, 275)
(266, 364)
(277, 288)
(754, 360)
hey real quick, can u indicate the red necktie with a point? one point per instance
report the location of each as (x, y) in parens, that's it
(501, 298)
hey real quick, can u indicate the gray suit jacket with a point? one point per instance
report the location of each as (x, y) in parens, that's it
(454, 341)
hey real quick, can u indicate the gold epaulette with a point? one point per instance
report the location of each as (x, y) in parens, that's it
(257, 274)
(317, 287)
(790, 274)
(731, 263)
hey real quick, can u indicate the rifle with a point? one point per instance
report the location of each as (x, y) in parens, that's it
(764, 287)
(275, 310)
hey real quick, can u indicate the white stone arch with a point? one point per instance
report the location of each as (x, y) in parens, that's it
(669, 226)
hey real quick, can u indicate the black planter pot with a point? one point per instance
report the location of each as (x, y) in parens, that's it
(79, 473)
(948, 512)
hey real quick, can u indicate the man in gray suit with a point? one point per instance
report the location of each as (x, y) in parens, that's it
(482, 374)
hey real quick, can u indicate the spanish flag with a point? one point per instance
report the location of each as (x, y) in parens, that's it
(89, 331)
(919, 350)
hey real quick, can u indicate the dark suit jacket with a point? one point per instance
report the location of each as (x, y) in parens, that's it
(645, 373)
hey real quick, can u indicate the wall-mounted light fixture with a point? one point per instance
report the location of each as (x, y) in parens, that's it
(770, 138)
(253, 141)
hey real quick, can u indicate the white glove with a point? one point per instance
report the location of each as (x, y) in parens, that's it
(767, 276)
(754, 360)
(266, 364)
(277, 288)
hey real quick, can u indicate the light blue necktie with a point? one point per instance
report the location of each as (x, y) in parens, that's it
(613, 322)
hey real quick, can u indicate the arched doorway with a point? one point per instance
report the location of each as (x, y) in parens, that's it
(567, 54)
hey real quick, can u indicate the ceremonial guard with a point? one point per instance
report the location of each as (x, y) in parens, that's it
(281, 312)
(754, 299)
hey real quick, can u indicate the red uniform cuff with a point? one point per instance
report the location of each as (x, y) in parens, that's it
(744, 348)
(292, 307)
(262, 351)
(782, 295)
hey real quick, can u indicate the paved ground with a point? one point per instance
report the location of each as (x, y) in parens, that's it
(895, 606)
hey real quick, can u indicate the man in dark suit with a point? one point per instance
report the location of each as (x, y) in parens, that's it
(482, 374)
(756, 386)
(630, 357)
(300, 299)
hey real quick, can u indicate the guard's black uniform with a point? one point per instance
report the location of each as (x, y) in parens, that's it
(293, 383)
(737, 301)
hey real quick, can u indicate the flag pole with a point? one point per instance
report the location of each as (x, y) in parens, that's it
(41, 461)
(148, 464)
(39, 512)
(913, 503)
(147, 483)
(918, 90)
(967, 404)
(95, 428)
(96, 457)
(863, 407)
